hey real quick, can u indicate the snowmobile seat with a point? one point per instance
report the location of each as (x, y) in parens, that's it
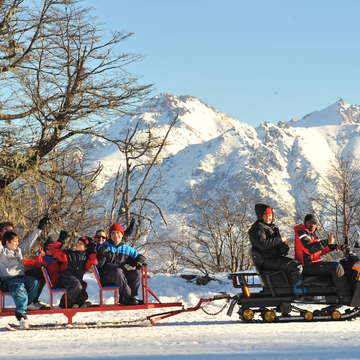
(275, 280)
(317, 280)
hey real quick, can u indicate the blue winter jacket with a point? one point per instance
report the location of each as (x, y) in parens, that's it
(111, 256)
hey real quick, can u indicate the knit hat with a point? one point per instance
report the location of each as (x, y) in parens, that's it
(261, 209)
(86, 240)
(311, 218)
(268, 211)
(48, 242)
(116, 227)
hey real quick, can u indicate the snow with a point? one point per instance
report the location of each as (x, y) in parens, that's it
(192, 335)
(328, 116)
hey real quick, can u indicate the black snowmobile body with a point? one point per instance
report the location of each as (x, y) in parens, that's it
(272, 297)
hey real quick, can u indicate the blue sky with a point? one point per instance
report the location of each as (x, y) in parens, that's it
(256, 60)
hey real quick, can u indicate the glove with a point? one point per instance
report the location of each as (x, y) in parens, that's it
(283, 249)
(333, 247)
(101, 251)
(91, 248)
(348, 251)
(130, 228)
(43, 222)
(276, 231)
(63, 236)
(139, 265)
(345, 247)
(139, 261)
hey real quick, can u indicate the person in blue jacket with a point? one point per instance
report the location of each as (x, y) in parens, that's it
(119, 264)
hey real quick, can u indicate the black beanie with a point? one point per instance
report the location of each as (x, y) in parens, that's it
(311, 218)
(86, 240)
(48, 242)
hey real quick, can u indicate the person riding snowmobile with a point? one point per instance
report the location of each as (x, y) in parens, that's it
(308, 251)
(269, 248)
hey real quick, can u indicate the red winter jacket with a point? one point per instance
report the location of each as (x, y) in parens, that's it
(73, 262)
(53, 266)
(36, 261)
(308, 248)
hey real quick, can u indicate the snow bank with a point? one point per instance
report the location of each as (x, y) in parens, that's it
(193, 335)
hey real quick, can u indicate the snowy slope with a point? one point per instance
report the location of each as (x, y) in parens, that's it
(335, 114)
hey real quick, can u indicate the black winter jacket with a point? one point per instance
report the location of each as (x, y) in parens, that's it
(266, 240)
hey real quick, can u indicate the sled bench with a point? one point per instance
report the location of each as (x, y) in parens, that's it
(114, 289)
(2, 299)
(71, 312)
(51, 288)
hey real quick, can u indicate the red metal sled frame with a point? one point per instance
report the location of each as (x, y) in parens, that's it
(71, 312)
(154, 318)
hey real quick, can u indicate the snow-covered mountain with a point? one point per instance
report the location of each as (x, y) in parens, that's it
(336, 114)
(280, 164)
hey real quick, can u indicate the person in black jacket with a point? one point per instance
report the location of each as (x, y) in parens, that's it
(118, 265)
(74, 264)
(269, 248)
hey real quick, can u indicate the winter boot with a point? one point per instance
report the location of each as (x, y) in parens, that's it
(131, 301)
(36, 306)
(23, 321)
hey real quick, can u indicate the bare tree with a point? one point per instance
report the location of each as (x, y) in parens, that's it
(59, 79)
(339, 200)
(63, 189)
(141, 150)
(216, 239)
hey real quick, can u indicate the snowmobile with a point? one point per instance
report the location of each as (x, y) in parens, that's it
(273, 299)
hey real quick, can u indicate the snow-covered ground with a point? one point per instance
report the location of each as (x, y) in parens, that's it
(192, 335)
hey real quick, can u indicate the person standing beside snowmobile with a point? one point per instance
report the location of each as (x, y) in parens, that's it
(308, 250)
(269, 248)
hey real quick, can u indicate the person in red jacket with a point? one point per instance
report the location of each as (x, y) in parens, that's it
(309, 249)
(74, 264)
(43, 257)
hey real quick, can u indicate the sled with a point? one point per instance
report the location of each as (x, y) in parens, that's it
(147, 295)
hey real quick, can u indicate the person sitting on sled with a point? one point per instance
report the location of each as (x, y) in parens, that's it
(74, 264)
(115, 257)
(43, 257)
(308, 250)
(23, 288)
(269, 248)
(100, 236)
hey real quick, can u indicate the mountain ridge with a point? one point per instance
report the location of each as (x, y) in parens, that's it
(282, 164)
